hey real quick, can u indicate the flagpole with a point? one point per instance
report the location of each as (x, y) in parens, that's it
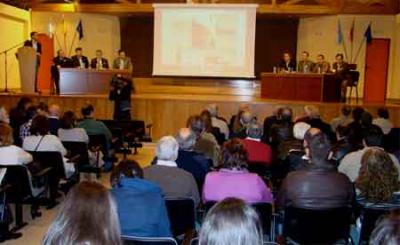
(72, 44)
(359, 49)
(352, 40)
(57, 40)
(345, 50)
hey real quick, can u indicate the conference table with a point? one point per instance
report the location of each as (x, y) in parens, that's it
(311, 87)
(87, 81)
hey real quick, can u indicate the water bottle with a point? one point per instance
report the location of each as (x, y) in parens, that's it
(274, 69)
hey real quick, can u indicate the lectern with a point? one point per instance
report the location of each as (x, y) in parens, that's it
(27, 68)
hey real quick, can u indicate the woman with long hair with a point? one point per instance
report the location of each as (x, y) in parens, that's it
(232, 222)
(88, 216)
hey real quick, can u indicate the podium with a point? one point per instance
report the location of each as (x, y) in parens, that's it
(27, 68)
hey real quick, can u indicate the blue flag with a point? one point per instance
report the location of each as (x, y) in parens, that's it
(339, 33)
(79, 29)
(368, 34)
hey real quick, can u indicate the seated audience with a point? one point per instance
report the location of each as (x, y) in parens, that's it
(343, 120)
(234, 123)
(87, 216)
(287, 64)
(18, 117)
(91, 125)
(321, 66)
(217, 121)
(245, 119)
(387, 231)
(206, 142)
(175, 182)
(294, 145)
(383, 120)
(312, 117)
(282, 130)
(4, 117)
(209, 128)
(342, 146)
(140, 203)
(68, 130)
(99, 62)
(319, 186)
(41, 140)
(355, 128)
(305, 65)
(351, 163)
(25, 129)
(54, 118)
(233, 179)
(188, 159)
(258, 152)
(232, 222)
(275, 118)
(43, 109)
(9, 153)
(377, 181)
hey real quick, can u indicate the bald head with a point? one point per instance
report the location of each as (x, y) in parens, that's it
(244, 107)
(54, 110)
(186, 139)
(213, 109)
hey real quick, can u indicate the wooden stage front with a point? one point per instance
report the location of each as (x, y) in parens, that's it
(167, 103)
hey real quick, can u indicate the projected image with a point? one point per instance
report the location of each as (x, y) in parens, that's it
(204, 42)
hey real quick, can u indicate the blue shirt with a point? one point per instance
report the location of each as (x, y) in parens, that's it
(141, 208)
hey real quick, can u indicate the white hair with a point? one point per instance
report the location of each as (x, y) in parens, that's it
(213, 109)
(167, 149)
(300, 129)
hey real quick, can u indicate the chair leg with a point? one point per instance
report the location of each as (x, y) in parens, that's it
(351, 91)
(189, 235)
(19, 217)
(357, 94)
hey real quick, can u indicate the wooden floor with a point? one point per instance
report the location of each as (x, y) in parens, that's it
(167, 103)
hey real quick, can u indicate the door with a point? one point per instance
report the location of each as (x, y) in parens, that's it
(376, 70)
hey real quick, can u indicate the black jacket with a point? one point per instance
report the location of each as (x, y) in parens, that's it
(75, 61)
(104, 62)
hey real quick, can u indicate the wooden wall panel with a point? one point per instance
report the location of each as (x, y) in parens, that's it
(273, 37)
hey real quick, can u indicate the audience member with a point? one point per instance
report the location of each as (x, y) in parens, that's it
(18, 117)
(9, 153)
(41, 140)
(282, 131)
(217, 121)
(68, 130)
(387, 232)
(383, 120)
(25, 129)
(342, 146)
(275, 118)
(54, 118)
(319, 186)
(235, 124)
(378, 180)
(209, 128)
(193, 162)
(175, 182)
(305, 65)
(351, 163)
(232, 222)
(258, 152)
(314, 119)
(92, 126)
(246, 119)
(140, 203)
(43, 109)
(87, 216)
(4, 117)
(206, 142)
(321, 66)
(343, 120)
(294, 146)
(355, 129)
(233, 179)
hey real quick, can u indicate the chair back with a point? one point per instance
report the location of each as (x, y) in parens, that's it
(182, 216)
(78, 148)
(369, 217)
(131, 240)
(354, 77)
(392, 140)
(195, 241)
(307, 226)
(264, 211)
(18, 180)
(99, 140)
(51, 159)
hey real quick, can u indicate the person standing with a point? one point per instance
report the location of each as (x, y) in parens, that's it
(38, 48)
(120, 92)
(341, 70)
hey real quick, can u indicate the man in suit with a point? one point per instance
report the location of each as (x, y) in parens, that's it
(59, 62)
(321, 66)
(287, 64)
(99, 62)
(341, 70)
(38, 48)
(305, 65)
(78, 60)
(122, 62)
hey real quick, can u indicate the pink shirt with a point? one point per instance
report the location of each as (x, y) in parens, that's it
(233, 183)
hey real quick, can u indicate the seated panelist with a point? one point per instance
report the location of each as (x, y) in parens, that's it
(79, 60)
(287, 64)
(305, 65)
(60, 61)
(99, 62)
(321, 66)
(122, 62)
(341, 70)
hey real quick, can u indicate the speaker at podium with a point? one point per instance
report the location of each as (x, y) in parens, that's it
(27, 68)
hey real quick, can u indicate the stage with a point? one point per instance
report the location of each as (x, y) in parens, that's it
(167, 103)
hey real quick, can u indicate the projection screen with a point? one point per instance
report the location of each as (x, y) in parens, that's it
(211, 40)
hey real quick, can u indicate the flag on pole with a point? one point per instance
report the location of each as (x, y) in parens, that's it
(64, 25)
(352, 31)
(79, 29)
(339, 33)
(368, 34)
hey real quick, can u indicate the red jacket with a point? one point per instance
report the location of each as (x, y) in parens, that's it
(258, 152)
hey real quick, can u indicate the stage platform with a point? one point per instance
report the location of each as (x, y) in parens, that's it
(167, 103)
